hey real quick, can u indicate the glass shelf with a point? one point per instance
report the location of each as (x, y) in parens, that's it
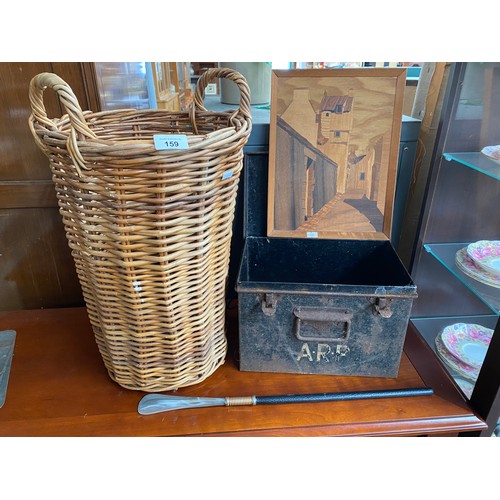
(430, 327)
(445, 254)
(476, 161)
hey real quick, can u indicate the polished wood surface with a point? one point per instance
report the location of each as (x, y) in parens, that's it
(58, 386)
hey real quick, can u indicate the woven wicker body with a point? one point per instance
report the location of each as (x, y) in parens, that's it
(149, 230)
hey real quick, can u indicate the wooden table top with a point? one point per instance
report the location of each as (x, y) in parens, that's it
(58, 386)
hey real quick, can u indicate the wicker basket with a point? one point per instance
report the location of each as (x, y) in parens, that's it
(149, 229)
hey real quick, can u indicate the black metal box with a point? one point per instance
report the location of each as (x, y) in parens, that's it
(338, 307)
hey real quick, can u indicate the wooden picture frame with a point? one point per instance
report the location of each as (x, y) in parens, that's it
(333, 152)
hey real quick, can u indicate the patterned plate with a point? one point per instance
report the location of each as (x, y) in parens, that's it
(492, 152)
(466, 386)
(486, 254)
(462, 369)
(467, 342)
(467, 265)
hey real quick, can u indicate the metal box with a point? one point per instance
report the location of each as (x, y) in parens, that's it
(337, 307)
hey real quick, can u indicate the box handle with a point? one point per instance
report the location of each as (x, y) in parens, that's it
(318, 324)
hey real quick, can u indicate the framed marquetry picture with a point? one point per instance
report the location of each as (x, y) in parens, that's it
(333, 152)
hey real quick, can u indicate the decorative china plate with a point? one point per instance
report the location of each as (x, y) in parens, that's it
(492, 152)
(486, 254)
(455, 364)
(467, 265)
(466, 386)
(467, 342)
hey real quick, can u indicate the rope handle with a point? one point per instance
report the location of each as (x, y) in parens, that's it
(230, 74)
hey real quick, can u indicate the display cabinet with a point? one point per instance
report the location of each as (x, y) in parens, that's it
(453, 264)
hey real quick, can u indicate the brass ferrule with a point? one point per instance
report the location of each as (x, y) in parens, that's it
(240, 401)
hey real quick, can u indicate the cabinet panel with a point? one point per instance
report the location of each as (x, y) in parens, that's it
(457, 312)
(36, 269)
(36, 266)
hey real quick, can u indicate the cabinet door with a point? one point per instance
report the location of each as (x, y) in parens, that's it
(36, 268)
(458, 308)
(166, 82)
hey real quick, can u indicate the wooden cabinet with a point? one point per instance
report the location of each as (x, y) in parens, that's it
(172, 85)
(36, 268)
(166, 86)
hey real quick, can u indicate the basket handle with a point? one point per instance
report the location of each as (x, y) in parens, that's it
(79, 127)
(68, 99)
(230, 74)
